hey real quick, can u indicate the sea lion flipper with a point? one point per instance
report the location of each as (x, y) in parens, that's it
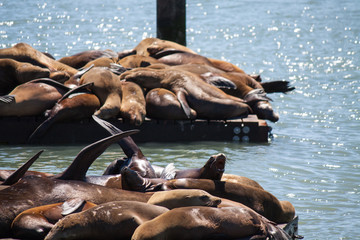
(168, 172)
(256, 95)
(75, 90)
(117, 68)
(218, 81)
(71, 206)
(8, 99)
(51, 82)
(19, 173)
(78, 168)
(184, 104)
(277, 86)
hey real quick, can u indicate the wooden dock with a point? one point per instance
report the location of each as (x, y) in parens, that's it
(16, 130)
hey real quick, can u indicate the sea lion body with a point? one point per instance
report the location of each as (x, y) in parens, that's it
(240, 179)
(206, 100)
(113, 220)
(35, 191)
(257, 199)
(132, 103)
(36, 222)
(208, 223)
(135, 61)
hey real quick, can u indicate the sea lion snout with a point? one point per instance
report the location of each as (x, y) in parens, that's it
(219, 160)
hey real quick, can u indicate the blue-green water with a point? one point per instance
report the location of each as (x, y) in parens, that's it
(313, 160)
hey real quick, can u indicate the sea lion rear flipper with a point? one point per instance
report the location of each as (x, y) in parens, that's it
(184, 104)
(19, 173)
(7, 99)
(218, 81)
(71, 206)
(169, 172)
(277, 86)
(80, 165)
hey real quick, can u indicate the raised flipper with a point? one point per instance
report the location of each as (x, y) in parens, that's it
(184, 104)
(76, 90)
(127, 144)
(218, 81)
(80, 165)
(169, 172)
(19, 173)
(277, 86)
(7, 99)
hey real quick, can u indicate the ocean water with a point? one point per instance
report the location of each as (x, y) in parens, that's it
(312, 159)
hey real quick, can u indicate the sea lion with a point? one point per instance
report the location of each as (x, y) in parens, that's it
(14, 73)
(101, 62)
(240, 179)
(163, 104)
(35, 223)
(107, 88)
(206, 100)
(77, 105)
(32, 98)
(183, 198)
(23, 52)
(209, 223)
(80, 59)
(135, 61)
(132, 103)
(113, 220)
(152, 46)
(257, 199)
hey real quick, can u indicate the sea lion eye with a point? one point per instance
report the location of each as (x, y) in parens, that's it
(204, 198)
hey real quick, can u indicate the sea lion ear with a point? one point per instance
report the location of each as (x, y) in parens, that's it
(71, 206)
(218, 81)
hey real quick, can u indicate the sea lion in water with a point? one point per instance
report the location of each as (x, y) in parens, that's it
(35, 223)
(163, 104)
(80, 59)
(32, 98)
(206, 100)
(209, 223)
(113, 220)
(183, 198)
(257, 199)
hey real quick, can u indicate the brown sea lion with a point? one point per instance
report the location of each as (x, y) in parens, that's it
(77, 105)
(240, 179)
(206, 100)
(80, 59)
(132, 103)
(35, 223)
(101, 62)
(23, 52)
(152, 46)
(32, 98)
(209, 223)
(183, 198)
(257, 199)
(107, 88)
(113, 220)
(163, 104)
(135, 61)
(14, 73)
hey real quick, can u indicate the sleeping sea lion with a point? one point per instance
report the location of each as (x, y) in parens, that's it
(206, 100)
(209, 223)
(35, 223)
(113, 220)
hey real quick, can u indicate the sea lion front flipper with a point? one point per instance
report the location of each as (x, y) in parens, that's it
(277, 86)
(218, 81)
(8, 99)
(19, 173)
(75, 90)
(80, 165)
(256, 95)
(184, 104)
(72, 205)
(51, 82)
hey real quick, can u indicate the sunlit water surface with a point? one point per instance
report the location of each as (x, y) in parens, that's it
(313, 158)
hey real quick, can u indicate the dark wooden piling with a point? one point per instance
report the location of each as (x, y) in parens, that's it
(171, 20)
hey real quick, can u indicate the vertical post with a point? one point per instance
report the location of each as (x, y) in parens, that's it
(171, 20)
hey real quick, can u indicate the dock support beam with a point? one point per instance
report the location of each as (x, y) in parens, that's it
(171, 20)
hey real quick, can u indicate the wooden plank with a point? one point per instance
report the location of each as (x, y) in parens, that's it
(15, 130)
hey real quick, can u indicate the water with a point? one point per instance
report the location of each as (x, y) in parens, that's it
(313, 160)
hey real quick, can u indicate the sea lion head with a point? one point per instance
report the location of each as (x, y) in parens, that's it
(184, 198)
(131, 180)
(214, 167)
